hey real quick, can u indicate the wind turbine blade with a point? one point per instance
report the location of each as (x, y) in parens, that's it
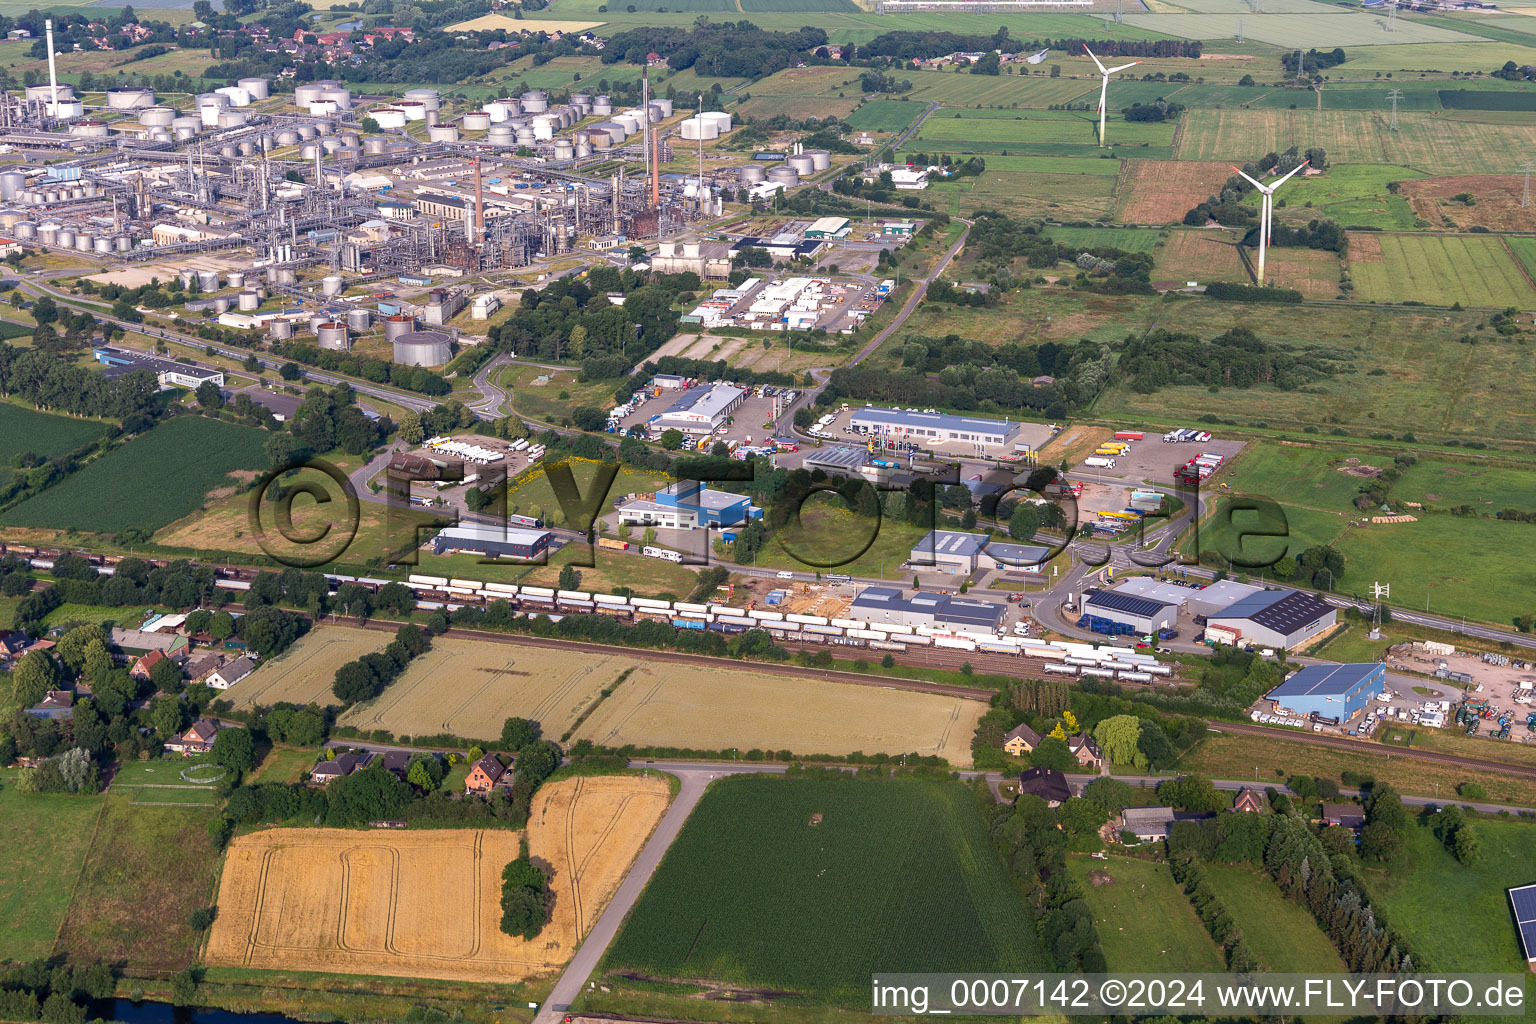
(1250, 181)
(1122, 67)
(1095, 59)
(1288, 174)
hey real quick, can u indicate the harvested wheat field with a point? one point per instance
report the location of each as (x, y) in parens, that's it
(1199, 254)
(428, 904)
(1496, 202)
(468, 687)
(1313, 272)
(707, 708)
(1163, 191)
(304, 673)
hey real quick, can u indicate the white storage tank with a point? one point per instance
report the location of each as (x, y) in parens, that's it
(11, 184)
(84, 241)
(398, 326)
(543, 128)
(628, 121)
(322, 108)
(306, 131)
(280, 329)
(602, 106)
(752, 174)
(89, 129)
(351, 139)
(237, 96)
(564, 150)
(359, 320)
(423, 348)
(249, 301)
(373, 146)
(414, 111)
(103, 244)
(524, 136)
(428, 98)
(130, 98)
(257, 88)
(287, 138)
(499, 110)
(66, 239)
(187, 121)
(665, 105)
(820, 158)
(236, 278)
(25, 231)
(535, 101)
(583, 150)
(304, 95)
(476, 121)
(331, 286)
(500, 135)
(232, 119)
(389, 117)
(338, 95)
(229, 152)
(333, 336)
(157, 117)
(330, 146)
(698, 130)
(786, 176)
(309, 151)
(48, 234)
(441, 133)
(44, 93)
(800, 163)
(208, 280)
(721, 118)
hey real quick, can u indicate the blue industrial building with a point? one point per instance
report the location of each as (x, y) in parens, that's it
(687, 505)
(1331, 691)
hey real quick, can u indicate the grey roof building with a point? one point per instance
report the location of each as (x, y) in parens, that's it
(959, 552)
(1277, 618)
(934, 426)
(891, 605)
(1142, 614)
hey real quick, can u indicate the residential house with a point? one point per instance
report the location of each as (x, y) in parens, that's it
(342, 764)
(1249, 801)
(225, 676)
(484, 775)
(1046, 783)
(1152, 823)
(1020, 740)
(397, 762)
(198, 669)
(142, 668)
(1351, 816)
(196, 740)
(58, 705)
(1086, 751)
(12, 643)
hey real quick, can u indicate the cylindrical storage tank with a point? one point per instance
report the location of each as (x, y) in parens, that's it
(331, 285)
(287, 138)
(389, 117)
(84, 241)
(316, 320)
(752, 174)
(281, 330)
(515, 108)
(498, 109)
(130, 98)
(122, 243)
(786, 176)
(544, 127)
(602, 106)
(330, 145)
(600, 139)
(208, 280)
(398, 326)
(221, 305)
(721, 118)
(11, 182)
(187, 277)
(333, 336)
(820, 159)
(525, 137)
(10, 218)
(443, 133)
(351, 139)
(500, 135)
(324, 128)
(249, 301)
(373, 146)
(103, 244)
(208, 116)
(535, 101)
(337, 95)
(48, 233)
(65, 239)
(25, 231)
(627, 121)
(359, 320)
(322, 108)
(583, 150)
(304, 95)
(306, 131)
(422, 348)
(237, 96)
(159, 135)
(50, 197)
(256, 87)
(413, 111)
(694, 129)
(564, 150)
(433, 117)
(213, 99)
(235, 278)
(229, 151)
(247, 148)
(44, 93)
(157, 117)
(800, 163)
(428, 98)
(309, 151)
(665, 105)
(476, 121)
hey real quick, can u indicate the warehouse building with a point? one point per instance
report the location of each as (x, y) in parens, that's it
(492, 541)
(700, 410)
(1272, 618)
(707, 259)
(828, 228)
(890, 605)
(1330, 691)
(963, 553)
(168, 372)
(1143, 615)
(687, 505)
(933, 427)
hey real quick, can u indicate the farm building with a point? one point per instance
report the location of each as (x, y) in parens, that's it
(169, 373)
(225, 676)
(687, 505)
(957, 552)
(828, 227)
(1142, 614)
(933, 426)
(1523, 899)
(1275, 618)
(1152, 823)
(1046, 783)
(1330, 691)
(700, 410)
(890, 605)
(1020, 740)
(198, 739)
(492, 541)
(1249, 801)
(138, 640)
(1346, 815)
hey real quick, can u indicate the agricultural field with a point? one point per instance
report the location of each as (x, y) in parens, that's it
(1353, 195)
(110, 494)
(1313, 272)
(1163, 191)
(46, 838)
(1281, 934)
(1480, 55)
(1261, 537)
(799, 889)
(41, 433)
(804, 93)
(1438, 270)
(1124, 239)
(712, 708)
(148, 868)
(1146, 924)
(1063, 194)
(1204, 255)
(427, 904)
(1496, 203)
(1440, 484)
(1321, 28)
(884, 116)
(303, 674)
(1003, 91)
(1048, 132)
(468, 687)
(1310, 477)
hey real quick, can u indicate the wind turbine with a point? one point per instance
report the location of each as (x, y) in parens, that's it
(1104, 89)
(1266, 217)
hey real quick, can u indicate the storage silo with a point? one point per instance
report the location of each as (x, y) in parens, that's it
(752, 174)
(208, 280)
(800, 163)
(249, 301)
(786, 176)
(11, 182)
(122, 243)
(398, 326)
(500, 135)
(333, 336)
(258, 88)
(535, 101)
(332, 285)
(281, 330)
(476, 121)
(423, 348)
(443, 133)
(602, 106)
(428, 98)
(359, 320)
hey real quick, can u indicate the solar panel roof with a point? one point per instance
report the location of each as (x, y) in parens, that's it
(1128, 603)
(1524, 901)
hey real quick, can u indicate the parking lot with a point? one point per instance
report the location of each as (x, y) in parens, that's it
(1153, 460)
(1033, 434)
(749, 423)
(514, 460)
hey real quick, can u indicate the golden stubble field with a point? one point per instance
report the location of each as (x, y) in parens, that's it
(707, 708)
(304, 673)
(428, 904)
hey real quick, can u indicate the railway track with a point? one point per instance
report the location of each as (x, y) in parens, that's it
(1377, 749)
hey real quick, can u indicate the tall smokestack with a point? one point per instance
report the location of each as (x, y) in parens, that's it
(655, 169)
(479, 202)
(53, 73)
(648, 140)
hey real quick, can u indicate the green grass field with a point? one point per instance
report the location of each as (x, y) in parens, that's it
(884, 116)
(829, 537)
(46, 838)
(1065, 194)
(1281, 934)
(1443, 483)
(1354, 195)
(1058, 132)
(148, 483)
(1126, 239)
(1475, 270)
(159, 783)
(1260, 538)
(1145, 922)
(1311, 477)
(1322, 28)
(24, 430)
(894, 875)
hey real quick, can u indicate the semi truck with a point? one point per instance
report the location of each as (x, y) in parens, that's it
(1099, 462)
